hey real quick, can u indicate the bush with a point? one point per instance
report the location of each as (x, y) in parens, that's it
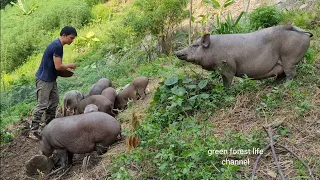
(301, 19)
(182, 152)
(4, 3)
(265, 16)
(157, 17)
(91, 3)
(102, 12)
(22, 34)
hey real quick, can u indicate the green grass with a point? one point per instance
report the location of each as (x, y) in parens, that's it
(176, 130)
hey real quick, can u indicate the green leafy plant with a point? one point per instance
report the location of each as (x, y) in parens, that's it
(21, 4)
(18, 31)
(265, 16)
(271, 101)
(157, 17)
(86, 41)
(181, 151)
(224, 25)
(6, 137)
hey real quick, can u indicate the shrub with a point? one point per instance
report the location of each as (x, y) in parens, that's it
(224, 25)
(181, 152)
(4, 3)
(301, 19)
(157, 17)
(102, 12)
(22, 34)
(91, 3)
(265, 16)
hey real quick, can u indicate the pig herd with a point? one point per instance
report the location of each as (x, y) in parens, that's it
(88, 123)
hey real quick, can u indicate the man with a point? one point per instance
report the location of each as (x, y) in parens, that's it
(50, 68)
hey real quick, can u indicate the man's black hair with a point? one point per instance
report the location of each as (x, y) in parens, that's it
(67, 30)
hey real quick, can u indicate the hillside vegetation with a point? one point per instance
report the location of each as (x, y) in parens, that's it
(189, 112)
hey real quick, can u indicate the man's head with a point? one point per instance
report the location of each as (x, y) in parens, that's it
(67, 35)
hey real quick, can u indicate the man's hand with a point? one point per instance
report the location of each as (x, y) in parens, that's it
(62, 67)
(72, 66)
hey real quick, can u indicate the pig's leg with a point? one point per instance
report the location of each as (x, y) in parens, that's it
(141, 93)
(290, 71)
(63, 157)
(70, 156)
(101, 149)
(228, 72)
(227, 77)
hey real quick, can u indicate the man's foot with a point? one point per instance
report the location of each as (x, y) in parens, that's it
(32, 136)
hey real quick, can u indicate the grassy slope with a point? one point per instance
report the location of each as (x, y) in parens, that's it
(295, 105)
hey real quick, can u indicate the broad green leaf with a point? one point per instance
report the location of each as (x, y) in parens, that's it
(86, 67)
(185, 170)
(96, 39)
(191, 86)
(179, 91)
(171, 80)
(204, 96)
(82, 38)
(186, 80)
(192, 18)
(203, 84)
(181, 164)
(228, 3)
(93, 66)
(163, 166)
(214, 3)
(90, 34)
(193, 98)
(187, 108)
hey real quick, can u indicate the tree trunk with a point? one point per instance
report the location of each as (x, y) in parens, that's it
(190, 21)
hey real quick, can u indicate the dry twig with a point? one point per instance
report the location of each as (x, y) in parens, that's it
(303, 162)
(270, 134)
(271, 145)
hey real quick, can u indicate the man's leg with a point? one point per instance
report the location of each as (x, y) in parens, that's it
(53, 103)
(43, 92)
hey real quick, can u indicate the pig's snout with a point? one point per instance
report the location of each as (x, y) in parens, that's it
(181, 54)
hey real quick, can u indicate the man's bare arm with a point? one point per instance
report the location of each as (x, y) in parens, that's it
(61, 67)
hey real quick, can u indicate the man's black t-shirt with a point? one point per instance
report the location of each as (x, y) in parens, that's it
(47, 71)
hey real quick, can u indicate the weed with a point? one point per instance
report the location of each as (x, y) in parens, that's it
(265, 16)
(271, 101)
(181, 152)
(6, 137)
(224, 25)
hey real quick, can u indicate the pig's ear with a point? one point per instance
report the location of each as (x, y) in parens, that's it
(36, 134)
(206, 40)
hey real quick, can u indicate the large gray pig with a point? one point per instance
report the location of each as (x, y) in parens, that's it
(79, 134)
(99, 86)
(269, 52)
